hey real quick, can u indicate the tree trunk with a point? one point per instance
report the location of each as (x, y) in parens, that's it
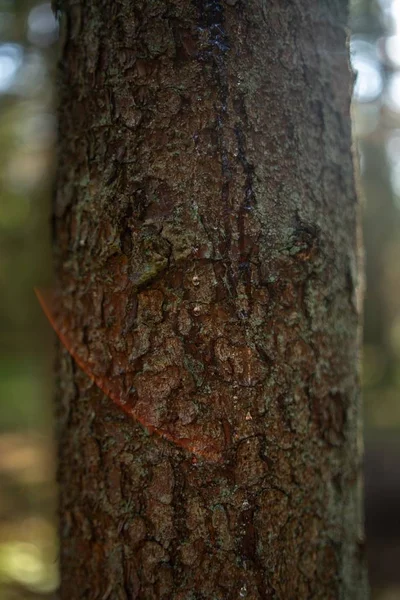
(205, 228)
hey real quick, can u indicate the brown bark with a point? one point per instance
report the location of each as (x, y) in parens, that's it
(205, 229)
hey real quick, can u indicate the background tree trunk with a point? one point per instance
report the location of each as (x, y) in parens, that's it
(205, 228)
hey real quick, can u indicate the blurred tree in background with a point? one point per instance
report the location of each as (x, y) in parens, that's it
(375, 47)
(28, 34)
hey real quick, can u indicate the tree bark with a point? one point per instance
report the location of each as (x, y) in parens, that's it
(205, 234)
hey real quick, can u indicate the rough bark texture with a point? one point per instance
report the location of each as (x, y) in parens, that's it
(205, 230)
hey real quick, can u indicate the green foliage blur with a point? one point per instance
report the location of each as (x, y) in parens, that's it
(375, 49)
(28, 49)
(28, 535)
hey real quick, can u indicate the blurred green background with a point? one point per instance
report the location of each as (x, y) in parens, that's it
(28, 535)
(28, 54)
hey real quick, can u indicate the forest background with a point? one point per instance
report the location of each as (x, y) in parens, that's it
(28, 56)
